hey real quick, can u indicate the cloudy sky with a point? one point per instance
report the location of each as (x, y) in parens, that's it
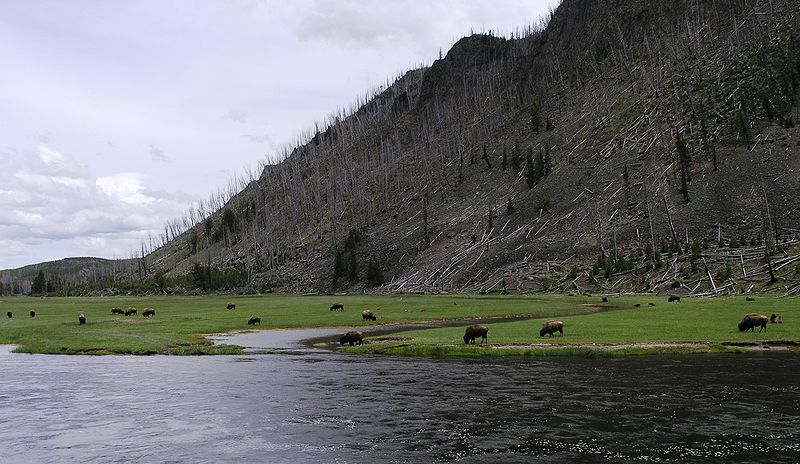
(116, 116)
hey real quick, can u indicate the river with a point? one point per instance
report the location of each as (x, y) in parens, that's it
(308, 405)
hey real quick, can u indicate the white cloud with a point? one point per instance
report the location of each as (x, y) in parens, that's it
(103, 216)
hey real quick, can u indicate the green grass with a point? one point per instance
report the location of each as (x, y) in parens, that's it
(181, 323)
(709, 323)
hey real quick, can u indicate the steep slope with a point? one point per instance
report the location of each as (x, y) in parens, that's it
(624, 128)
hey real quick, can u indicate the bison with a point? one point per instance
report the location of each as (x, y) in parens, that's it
(605, 299)
(747, 298)
(337, 307)
(354, 337)
(33, 313)
(148, 312)
(651, 304)
(637, 305)
(9, 314)
(254, 320)
(368, 316)
(750, 322)
(776, 319)
(551, 327)
(230, 306)
(81, 319)
(130, 312)
(674, 298)
(475, 331)
(117, 311)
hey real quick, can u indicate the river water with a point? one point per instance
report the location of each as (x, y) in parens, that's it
(309, 405)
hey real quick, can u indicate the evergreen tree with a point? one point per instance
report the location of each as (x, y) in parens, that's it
(530, 171)
(39, 284)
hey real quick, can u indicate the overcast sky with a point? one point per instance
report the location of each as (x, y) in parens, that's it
(116, 115)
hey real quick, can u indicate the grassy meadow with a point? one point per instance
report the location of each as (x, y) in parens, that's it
(692, 325)
(181, 322)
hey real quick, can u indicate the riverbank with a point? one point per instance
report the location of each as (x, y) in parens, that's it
(182, 324)
(422, 325)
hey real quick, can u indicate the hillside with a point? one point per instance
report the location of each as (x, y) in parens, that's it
(629, 146)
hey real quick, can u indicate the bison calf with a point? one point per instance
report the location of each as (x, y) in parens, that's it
(337, 307)
(354, 337)
(368, 316)
(81, 319)
(750, 322)
(230, 306)
(254, 320)
(776, 319)
(475, 331)
(148, 312)
(674, 298)
(551, 327)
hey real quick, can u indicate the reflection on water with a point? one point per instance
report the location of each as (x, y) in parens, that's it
(323, 407)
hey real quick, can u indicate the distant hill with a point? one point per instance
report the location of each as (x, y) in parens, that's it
(628, 146)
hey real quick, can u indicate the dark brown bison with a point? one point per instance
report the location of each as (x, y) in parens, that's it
(354, 337)
(651, 304)
(750, 322)
(81, 319)
(9, 314)
(776, 319)
(33, 313)
(747, 298)
(605, 299)
(148, 312)
(475, 331)
(337, 307)
(368, 316)
(230, 306)
(674, 298)
(117, 311)
(551, 327)
(637, 305)
(131, 311)
(254, 320)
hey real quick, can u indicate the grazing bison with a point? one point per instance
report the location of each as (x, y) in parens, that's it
(475, 331)
(33, 313)
(148, 312)
(354, 337)
(605, 299)
(747, 298)
(337, 307)
(81, 319)
(651, 304)
(9, 314)
(776, 319)
(750, 322)
(117, 311)
(130, 312)
(230, 306)
(368, 316)
(637, 305)
(674, 298)
(254, 320)
(551, 327)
